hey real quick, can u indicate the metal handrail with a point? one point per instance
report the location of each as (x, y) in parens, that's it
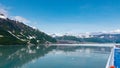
(110, 61)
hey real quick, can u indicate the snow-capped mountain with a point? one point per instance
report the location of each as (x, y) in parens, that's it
(15, 32)
(93, 37)
(87, 34)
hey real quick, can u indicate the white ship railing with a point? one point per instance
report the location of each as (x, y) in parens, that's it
(110, 61)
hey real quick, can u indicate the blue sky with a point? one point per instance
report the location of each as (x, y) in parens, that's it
(62, 16)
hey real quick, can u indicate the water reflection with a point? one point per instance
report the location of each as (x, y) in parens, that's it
(90, 49)
(17, 56)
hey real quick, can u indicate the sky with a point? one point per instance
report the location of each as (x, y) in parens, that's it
(65, 16)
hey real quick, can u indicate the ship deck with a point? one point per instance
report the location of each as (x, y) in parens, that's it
(117, 57)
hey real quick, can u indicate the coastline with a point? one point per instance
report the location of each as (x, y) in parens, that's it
(96, 44)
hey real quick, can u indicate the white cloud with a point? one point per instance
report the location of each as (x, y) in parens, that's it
(3, 10)
(115, 31)
(21, 19)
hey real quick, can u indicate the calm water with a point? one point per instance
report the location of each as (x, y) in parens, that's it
(44, 56)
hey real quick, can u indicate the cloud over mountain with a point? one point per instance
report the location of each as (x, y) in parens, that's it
(21, 19)
(3, 10)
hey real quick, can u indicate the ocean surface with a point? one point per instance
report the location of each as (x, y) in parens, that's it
(49, 56)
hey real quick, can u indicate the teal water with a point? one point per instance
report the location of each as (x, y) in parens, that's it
(45, 56)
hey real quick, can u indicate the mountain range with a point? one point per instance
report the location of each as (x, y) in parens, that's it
(14, 32)
(96, 37)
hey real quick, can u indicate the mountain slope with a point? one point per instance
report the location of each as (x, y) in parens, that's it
(14, 32)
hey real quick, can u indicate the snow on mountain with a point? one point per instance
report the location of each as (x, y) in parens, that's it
(2, 16)
(88, 34)
(82, 35)
(1, 36)
(56, 34)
